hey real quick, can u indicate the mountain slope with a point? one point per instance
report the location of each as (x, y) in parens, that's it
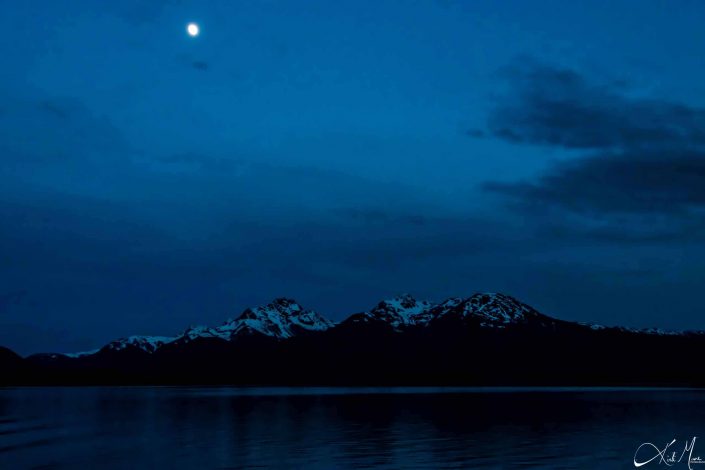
(9, 359)
(489, 310)
(397, 313)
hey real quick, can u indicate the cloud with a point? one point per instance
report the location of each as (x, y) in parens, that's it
(630, 197)
(560, 107)
(640, 178)
(476, 133)
(657, 182)
(200, 65)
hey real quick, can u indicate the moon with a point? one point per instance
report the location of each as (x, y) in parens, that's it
(193, 30)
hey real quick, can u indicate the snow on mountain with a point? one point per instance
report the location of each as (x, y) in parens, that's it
(81, 354)
(400, 311)
(194, 332)
(490, 309)
(644, 331)
(283, 318)
(659, 331)
(145, 343)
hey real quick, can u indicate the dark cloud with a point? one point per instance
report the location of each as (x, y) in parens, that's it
(200, 65)
(663, 182)
(630, 197)
(476, 133)
(560, 107)
(642, 179)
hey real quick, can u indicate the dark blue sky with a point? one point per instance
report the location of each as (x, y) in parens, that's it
(343, 152)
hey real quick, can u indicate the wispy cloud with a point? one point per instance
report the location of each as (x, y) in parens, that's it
(560, 107)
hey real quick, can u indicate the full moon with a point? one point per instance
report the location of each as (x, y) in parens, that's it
(192, 29)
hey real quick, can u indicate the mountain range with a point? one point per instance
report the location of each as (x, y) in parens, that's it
(484, 339)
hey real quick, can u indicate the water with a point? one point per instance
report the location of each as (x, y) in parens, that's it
(190, 427)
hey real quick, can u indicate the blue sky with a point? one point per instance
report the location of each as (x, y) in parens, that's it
(343, 152)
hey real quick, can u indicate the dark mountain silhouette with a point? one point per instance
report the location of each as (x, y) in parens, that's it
(485, 339)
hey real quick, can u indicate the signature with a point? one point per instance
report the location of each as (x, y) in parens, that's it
(671, 454)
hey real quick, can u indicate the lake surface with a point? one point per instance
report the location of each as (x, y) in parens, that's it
(327, 428)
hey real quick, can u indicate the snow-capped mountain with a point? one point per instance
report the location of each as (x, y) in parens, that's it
(484, 339)
(194, 332)
(398, 312)
(488, 309)
(145, 343)
(643, 331)
(281, 319)
(285, 318)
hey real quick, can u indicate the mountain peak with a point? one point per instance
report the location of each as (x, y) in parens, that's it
(403, 304)
(490, 308)
(281, 318)
(194, 332)
(399, 311)
(286, 305)
(499, 307)
(279, 306)
(400, 302)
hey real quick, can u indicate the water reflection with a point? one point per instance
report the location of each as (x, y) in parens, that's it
(338, 428)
